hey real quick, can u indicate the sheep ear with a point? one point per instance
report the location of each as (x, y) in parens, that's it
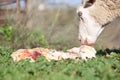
(89, 3)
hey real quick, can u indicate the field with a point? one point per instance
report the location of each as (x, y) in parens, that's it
(56, 29)
(12, 38)
(100, 68)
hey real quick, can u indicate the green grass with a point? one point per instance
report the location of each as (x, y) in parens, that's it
(19, 37)
(56, 28)
(100, 68)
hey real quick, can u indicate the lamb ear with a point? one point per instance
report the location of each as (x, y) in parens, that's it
(89, 3)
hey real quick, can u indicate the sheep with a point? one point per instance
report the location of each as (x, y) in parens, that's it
(94, 15)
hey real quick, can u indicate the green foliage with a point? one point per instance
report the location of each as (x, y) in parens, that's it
(38, 38)
(113, 54)
(6, 32)
(19, 37)
(100, 68)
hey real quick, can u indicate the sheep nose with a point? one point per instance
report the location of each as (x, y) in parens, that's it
(79, 13)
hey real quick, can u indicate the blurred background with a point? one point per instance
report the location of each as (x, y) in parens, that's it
(47, 23)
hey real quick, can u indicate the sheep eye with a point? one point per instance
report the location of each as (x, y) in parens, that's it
(89, 3)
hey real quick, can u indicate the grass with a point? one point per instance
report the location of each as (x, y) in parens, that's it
(100, 68)
(16, 38)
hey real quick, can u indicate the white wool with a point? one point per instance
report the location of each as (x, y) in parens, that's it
(87, 52)
(94, 17)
